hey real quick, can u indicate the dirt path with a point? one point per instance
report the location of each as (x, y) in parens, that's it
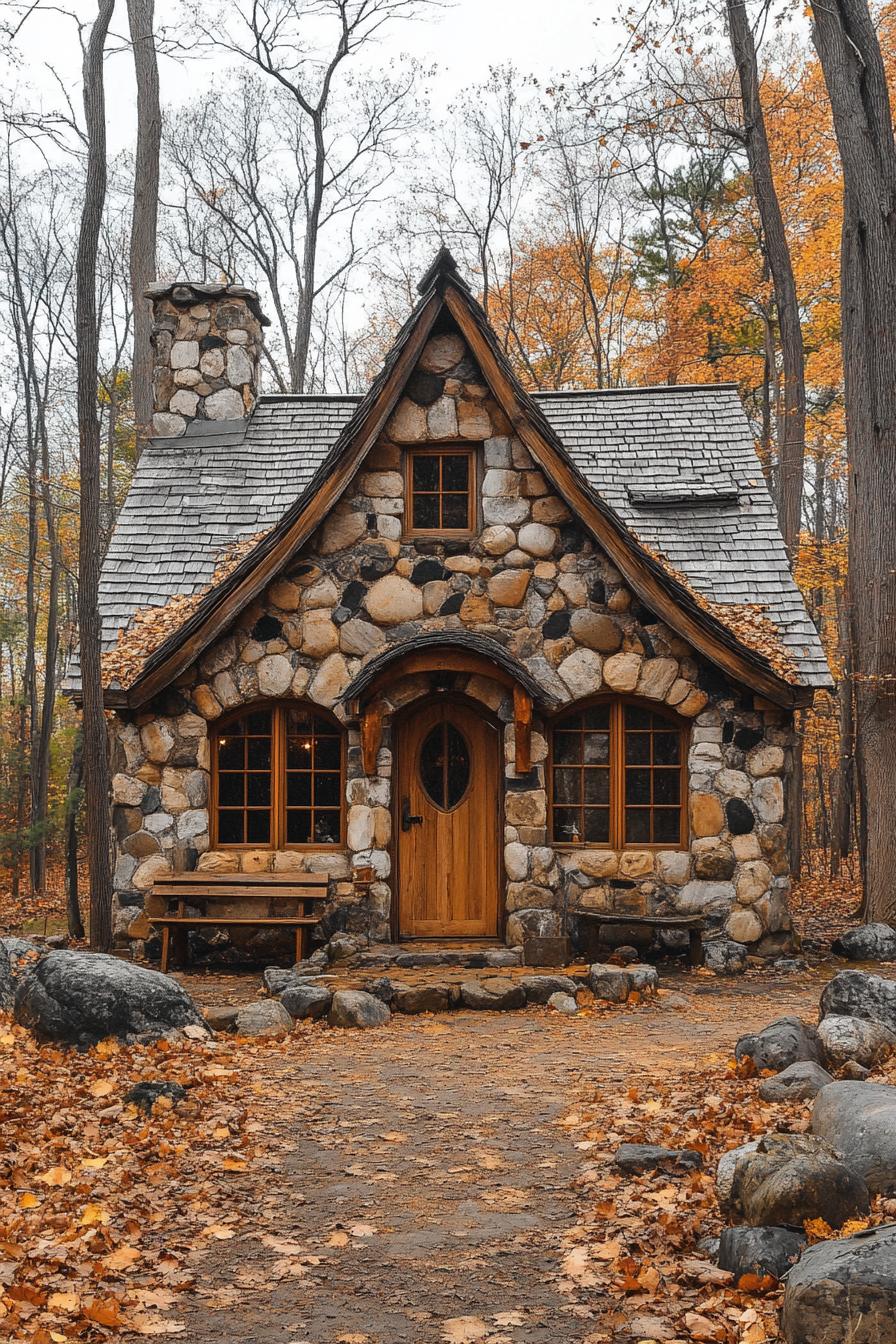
(418, 1174)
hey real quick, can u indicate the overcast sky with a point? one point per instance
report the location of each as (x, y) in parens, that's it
(462, 39)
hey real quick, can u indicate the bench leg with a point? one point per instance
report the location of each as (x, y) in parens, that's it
(300, 943)
(695, 947)
(166, 946)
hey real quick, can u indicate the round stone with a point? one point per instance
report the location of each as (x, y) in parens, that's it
(184, 355)
(621, 671)
(225, 405)
(392, 600)
(537, 539)
(600, 632)
(442, 353)
(743, 925)
(508, 588)
(498, 540)
(581, 672)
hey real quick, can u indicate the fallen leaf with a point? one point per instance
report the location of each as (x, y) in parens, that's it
(464, 1330)
(123, 1258)
(55, 1176)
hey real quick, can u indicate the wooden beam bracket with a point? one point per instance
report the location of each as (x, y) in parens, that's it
(371, 737)
(522, 729)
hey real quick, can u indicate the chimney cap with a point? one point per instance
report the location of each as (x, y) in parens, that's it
(184, 293)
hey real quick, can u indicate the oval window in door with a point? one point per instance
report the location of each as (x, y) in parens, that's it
(444, 766)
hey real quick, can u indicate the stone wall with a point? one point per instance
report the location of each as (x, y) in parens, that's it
(531, 580)
(207, 341)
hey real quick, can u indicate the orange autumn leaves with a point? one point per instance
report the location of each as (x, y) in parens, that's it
(102, 1207)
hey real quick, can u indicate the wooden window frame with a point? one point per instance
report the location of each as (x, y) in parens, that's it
(617, 841)
(467, 450)
(279, 712)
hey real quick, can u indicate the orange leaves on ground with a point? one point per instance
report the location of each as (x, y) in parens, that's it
(93, 1191)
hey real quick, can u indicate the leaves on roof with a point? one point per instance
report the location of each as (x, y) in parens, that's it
(153, 625)
(748, 622)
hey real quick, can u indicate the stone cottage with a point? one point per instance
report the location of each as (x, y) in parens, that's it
(504, 655)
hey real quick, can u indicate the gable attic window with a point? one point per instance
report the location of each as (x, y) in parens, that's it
(440, 492)
(277, 779)
(617, 777)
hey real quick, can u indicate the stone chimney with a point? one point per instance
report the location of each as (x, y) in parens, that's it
(207, 341)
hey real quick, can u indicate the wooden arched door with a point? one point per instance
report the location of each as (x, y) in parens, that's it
(447, 820)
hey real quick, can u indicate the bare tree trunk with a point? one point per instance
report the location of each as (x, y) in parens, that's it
(853, 69)
(96, 769)
(792, 418)
(844, 811)
(72, 801)
(144, 220)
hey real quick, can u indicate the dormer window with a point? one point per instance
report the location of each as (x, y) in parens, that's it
(440, 492)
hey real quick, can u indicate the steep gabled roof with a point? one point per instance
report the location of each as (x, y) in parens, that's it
(603, 452)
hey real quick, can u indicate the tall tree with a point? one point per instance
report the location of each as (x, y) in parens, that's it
(96, 768)
(792, 408)
(850, 59)
(144, 220)
(850, 56)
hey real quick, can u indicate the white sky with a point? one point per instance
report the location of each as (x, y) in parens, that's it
(462, 39)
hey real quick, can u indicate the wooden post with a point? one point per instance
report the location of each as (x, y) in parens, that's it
(522, 728)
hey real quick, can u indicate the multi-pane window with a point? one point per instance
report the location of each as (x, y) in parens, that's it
(440, 490)
(616, 777)
(277, 778)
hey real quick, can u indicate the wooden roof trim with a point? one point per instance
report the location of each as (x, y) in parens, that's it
(642, 572)
(223, 603)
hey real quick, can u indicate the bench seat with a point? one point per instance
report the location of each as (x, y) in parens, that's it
(693, 925)
(167, 905)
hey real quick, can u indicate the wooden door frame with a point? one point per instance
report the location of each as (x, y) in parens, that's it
(398, 719)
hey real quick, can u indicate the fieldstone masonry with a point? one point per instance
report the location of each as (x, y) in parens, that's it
(531, 580)
(207, 340)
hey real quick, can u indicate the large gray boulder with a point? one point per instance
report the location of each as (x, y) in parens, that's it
(422, 999)
(792, 1177)
(497, 993)
(354, 1008)
(276, 979)
(539, 988)
(610, 983)
(786, 1041)
(869, 942)
(860, 994)
(80, 998)
(265, 1018)
(306, 1001)
(859, 1120)
(760, 1250)
(864, 1040)
(798, 1082)
(844, 1291)
(638, 1157)
(7, 982)
(725, 956)
(645, 979)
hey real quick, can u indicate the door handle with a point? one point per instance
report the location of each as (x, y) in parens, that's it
(407, 820)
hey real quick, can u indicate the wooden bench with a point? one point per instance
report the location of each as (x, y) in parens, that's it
(692, 925)
(288, 901)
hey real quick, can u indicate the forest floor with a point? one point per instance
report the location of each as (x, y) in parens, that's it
(448, 1179)
(440, 1180)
